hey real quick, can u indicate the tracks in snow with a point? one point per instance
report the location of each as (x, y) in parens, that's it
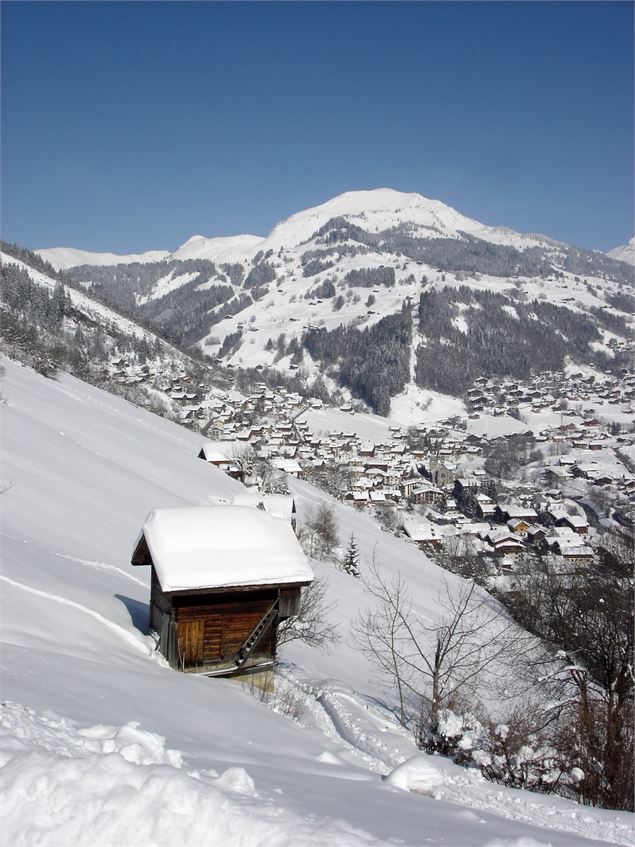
(114, 627)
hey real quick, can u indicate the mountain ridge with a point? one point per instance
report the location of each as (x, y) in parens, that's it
(377, 208)
(624, 253)
(347, 267)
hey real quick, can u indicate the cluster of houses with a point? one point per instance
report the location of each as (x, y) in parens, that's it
(423, 488)
(551, 390)
(506, 532)
(419, 476)
(216, 610)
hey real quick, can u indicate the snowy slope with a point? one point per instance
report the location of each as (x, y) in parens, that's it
(383, 208)
(89, 764)
(167, 283)
(290, 302)
(233, 248)
(97, 311)
(68, 257)
(624, 253)
(374, 210)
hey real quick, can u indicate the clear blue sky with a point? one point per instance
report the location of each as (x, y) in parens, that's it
(129, 127)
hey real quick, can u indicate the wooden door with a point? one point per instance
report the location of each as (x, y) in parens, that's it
(191, 635)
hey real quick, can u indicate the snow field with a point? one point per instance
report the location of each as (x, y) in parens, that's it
(107, 785)
(119, 749)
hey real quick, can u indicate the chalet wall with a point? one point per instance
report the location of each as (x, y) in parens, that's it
(206, 630)
(215, 631)
(289, 602)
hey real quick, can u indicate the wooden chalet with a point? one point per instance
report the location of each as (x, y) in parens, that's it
(223, 577)
(577, 523)
(222, 454)
(425, 536)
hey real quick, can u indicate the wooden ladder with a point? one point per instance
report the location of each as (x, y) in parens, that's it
(248, 647)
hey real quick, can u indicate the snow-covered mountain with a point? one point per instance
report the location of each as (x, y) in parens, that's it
(359, 259)
(374, 210)
(383, 209)
(225, 249)
(102, 743)
(624, 253)
(62, 258)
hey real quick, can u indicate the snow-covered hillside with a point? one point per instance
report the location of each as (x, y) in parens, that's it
(232, 248)
(102, 744)
(222, 249)
(624, 253)
(87, 305)
(63, 258)
(374, 210)
(355, 260)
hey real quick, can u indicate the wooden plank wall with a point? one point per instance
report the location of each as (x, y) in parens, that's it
(160, 603)
(214, 627)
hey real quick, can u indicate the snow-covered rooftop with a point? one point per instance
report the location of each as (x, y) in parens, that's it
(220, 451)
(223, 546)
(278, 505)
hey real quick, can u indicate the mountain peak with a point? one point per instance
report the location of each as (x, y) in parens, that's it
(624, 253)
(374, 210)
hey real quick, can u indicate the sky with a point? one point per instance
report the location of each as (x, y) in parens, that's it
(133, 126)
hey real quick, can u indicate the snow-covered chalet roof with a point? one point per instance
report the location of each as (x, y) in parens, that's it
(220, 451)
(278, 505)
(223, 546)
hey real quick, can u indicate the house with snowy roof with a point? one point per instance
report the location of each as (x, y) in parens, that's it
(222, 454)
(425, 493)
(504, 542)
(577, 523)
(223, 577)
(279, 505)
(513, 511)
(424, 534)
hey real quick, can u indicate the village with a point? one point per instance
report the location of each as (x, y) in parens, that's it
(537, 467)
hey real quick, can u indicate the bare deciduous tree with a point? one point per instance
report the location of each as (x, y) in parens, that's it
(431, 664)
(591, 686)
(312, 625)
(319, 533)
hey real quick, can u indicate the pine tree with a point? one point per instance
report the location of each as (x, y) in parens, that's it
(351, 560)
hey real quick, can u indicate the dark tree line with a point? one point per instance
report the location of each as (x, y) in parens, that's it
(30, 258)
(183, 314)
(496, 342)
(373, 363)
(370, 277)
(311, 267)
(231, 343)
(470, 254)
(122, 285)
(42, 327)
(322, 291)
(260, 275)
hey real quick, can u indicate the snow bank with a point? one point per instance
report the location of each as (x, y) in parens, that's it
(106, 785)
(494, 426)
(420, 405)
(277, 505)
(417, 774)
